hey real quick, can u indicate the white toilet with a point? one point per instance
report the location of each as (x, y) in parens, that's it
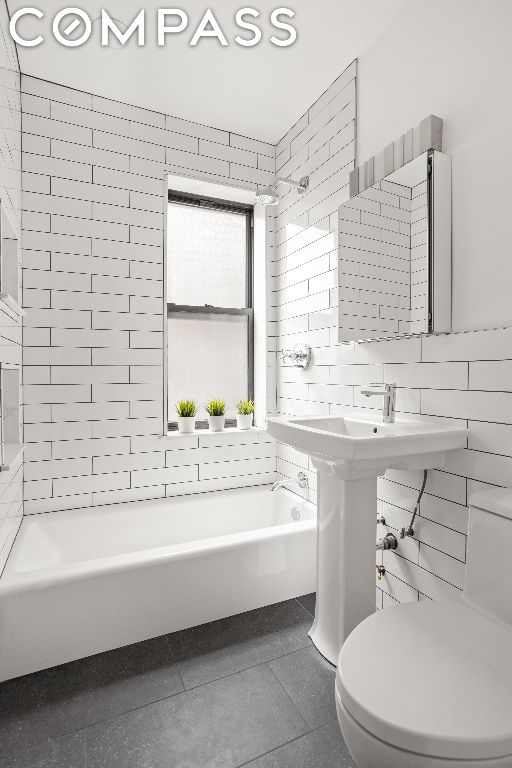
(429, 684)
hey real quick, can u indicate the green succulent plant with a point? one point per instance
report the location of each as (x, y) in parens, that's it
(216, 408)
(245, 407)
(186, 408)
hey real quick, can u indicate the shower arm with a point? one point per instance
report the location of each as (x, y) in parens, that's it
(301, 185)
(291, 182)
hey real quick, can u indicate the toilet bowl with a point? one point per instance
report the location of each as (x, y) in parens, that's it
(429, 684)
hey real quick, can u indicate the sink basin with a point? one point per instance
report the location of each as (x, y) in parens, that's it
(346, 440)
(350, 452)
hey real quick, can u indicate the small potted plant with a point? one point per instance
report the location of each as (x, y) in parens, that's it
(216, 410)
(186, 410)
(244, 414)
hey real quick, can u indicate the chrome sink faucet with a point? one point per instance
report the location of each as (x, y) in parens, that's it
(389, 395)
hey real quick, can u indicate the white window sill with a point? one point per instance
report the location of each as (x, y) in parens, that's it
(201, 432)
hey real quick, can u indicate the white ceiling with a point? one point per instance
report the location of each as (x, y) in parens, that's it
(258, 92)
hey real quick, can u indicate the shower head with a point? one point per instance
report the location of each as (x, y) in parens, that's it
(269, 195)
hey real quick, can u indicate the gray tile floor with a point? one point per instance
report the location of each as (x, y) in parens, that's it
(250, 690)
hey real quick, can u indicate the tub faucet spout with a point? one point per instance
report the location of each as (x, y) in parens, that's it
(301, 480)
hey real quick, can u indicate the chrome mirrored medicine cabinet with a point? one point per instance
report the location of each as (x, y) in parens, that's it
(394, 254)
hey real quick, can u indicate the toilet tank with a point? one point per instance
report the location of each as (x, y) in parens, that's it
(488, 582)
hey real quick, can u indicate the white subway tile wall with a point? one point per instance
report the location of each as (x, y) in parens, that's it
(93, 232)
(465, 377)
(11, 482)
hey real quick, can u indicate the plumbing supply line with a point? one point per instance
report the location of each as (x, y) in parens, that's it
(409, 531)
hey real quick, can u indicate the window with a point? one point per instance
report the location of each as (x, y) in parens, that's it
(209, 303)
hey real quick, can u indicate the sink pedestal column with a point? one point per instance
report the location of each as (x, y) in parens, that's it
(345, 596)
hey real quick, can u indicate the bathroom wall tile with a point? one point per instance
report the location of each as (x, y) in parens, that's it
(53, 166)
(77, 430)
(453, 516)
(479, 406)
(127, 111)
(493, 375)
(67, 449)
(126, 286)
(125, 426)
(235, 468)
(43, 126)
(56, 393)
(90, 484)
(127, 495)
(398, 590)
(159, 443)
(36, 278)
(386, 601)
(448, 568)
(91, 155)
(89, 411)
(71, 115)
(440, 537)
(424, 580)
(130, 251)
(145, 477)
(473, 345)
(52, 318)
(486, 467)
(41, 470)
(55, 355)
(490, 438)
(89, 338)
(90, 192)
(104, 464)
(230, 438)
(428, 375)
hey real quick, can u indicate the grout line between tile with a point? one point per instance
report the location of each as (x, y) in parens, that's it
(271, 751)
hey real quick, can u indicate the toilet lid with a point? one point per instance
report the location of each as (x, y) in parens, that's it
(431, 678)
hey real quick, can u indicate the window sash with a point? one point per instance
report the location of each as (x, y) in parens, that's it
(174, 309)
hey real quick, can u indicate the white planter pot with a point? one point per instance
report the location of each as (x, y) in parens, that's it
(244, 420)
(186, 424)
(216, 423)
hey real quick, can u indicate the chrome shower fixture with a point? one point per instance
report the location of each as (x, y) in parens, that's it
(269, 195)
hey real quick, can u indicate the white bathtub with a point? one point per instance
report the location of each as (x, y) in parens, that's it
(89, 580)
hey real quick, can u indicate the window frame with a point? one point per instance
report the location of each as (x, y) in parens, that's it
(202, 201)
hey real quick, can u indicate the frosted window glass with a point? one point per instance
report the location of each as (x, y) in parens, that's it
(207, 256)
(207, 360)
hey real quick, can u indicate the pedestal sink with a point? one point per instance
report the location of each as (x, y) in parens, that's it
(349, 454)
